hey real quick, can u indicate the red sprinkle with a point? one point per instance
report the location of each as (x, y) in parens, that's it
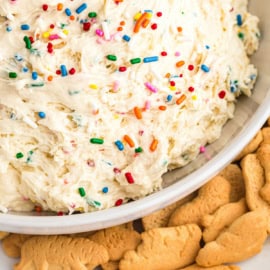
(122, 69)
(60, 213)
(45, 7)
(154, 26)
(190, 67)
(118, 202)
(72, 71)
(159, 14)
(52, 26)
(58, 72)
(86, 26)
(191, 89)
(222, 94)
(164, 53)
(116, 170)
(129, 178)
(31, 39)
(172, 83)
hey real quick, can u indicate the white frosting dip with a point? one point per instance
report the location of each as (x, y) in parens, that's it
(64, 104)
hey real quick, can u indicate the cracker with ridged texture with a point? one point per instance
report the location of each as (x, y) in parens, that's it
(242, 240)
(263, 155)
(234, 175)
(266, 135)
(12, 244)
(161, 217)
(164, 248)
(218, 267)
(220, 220)
(253, 175)
(61, 252)
(111, 265)
(211, 196)
(3, 235)
(117, 240)
(252, 146)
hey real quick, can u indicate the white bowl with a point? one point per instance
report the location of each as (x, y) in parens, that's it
(250, 115)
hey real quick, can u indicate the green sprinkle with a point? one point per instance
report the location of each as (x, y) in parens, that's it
(27, 41)
(135, 61)
(96, 141)
(138, 150)
(12, 75)
(241, 35)
(92, 14)
(93, 202)
(40, 84)
(19, 155)
(111, 57)
(82, 191)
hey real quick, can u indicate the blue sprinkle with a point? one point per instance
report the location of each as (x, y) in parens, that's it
(18, 57)
(239, 19)
(169, 98)
(42, 115)
(68, 12)
(150, 59)
(34, 75)
(207, 47)
(25, 27)
(25, 69)
(119, 145)
(126, 38)
(205, 68)
(63, 70)
(148, 11)
(9, 29)
(105, 190)
(81, 8)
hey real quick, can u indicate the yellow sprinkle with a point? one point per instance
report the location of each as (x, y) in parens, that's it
(137, 16)
(116, 116)
(149, 15)
(46, 34)
(66, 32)
(80, 209)
(93, 86)
(172, 88)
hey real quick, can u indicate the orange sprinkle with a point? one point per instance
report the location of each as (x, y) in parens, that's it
(50, 78)
(168, 75)
(72, 17)
(179, 29)
(180, 63)
(140, 22)
(145, 23)
(122, 23)
(162, 108)
(181, 99)
(138, 112)
(129, 141)
(154, 145)
(59, 6)
(119, 29)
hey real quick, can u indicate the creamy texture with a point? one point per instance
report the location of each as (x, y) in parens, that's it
(48, 160)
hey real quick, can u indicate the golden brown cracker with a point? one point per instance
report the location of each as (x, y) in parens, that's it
(253, 175)
(252, 146)
(212, 195)
(218, 267)
(164, 248)
(242, 240)
(111, 265)
(263, 155)
(266, 135)
(220, 220)
(43, 252)
(117, 240)
(233, 174)
(160, 218)
(12, 244)
(3, 235)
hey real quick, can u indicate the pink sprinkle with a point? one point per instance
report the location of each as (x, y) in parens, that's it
(147, 105)
(99, 32)
(151, 87)
(53, 37)
(202, 149)
(177, 54)
(116, 171)
(116, 85)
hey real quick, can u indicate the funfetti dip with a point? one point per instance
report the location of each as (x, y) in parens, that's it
(98, 99)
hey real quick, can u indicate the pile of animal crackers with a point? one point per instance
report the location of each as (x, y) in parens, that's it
(224, 222)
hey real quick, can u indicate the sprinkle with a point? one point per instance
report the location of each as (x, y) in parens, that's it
(68, 12)
(12, 75)
(190, 67)
(180, 63)
(140, 21)
(119, 145)
(96, 141)
(50, 78)
(126, 38)
(151, 87)
(129, 141)
(169, 98)
(205, 68)
(34, 75)
(112, 57)
(25, 27)
(81, 8)
(241, 35)
(164, 53)
(135, 61)
(27, 42)
(93, 86)
(45, 7)
(92, 14)
(138, 113)
(72, 71)
(59, 6)
(25, 69)
(222, 94)
(138, 150)
(116, 170)
(86, 26)
(154, 26)
(118, 202)
(150, 59)
(19, 155)
(105, 29)
(63, 70)
(129, 178)
(181, 99)
(159, 14)
(122, 69)
(162, 108)
(105, 190)
(42, 115)
(147, 105)
(9, 29)
(191, 89)
(179, 29)
(82, 191)
(207, 47)
(54, 36)
(99, 33)
(239, 19)
(154, 145)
